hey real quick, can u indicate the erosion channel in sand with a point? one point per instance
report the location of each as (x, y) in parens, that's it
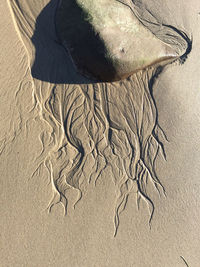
(101, 128)
(116, 123)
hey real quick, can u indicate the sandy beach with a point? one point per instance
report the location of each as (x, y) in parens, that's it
(98, 173)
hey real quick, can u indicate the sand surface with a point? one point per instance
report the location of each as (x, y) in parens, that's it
(66, 142)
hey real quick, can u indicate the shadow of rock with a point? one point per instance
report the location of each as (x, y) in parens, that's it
(52, 62)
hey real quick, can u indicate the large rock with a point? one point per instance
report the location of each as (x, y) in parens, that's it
(106, 40)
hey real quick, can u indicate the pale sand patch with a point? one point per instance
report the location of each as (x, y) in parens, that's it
(108, 41)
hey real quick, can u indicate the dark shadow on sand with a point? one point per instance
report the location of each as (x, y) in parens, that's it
(53, 62)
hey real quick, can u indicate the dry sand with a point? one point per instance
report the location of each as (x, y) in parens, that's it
(63, 137)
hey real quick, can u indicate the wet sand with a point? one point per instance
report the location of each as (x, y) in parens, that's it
(67, 142)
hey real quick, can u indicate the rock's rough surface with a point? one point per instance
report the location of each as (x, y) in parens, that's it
(106, 40)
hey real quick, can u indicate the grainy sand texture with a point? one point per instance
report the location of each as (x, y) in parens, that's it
(100, 133)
